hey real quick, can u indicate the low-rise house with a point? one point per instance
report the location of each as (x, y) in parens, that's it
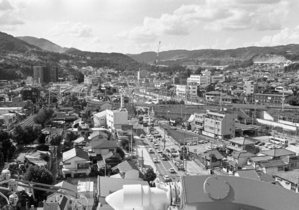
(288, 179)
(75, 161)
(279, 153)
(273, 166)
(212, 158)
(103, 146)
(127, 171)
(249, 174)
(240, 143)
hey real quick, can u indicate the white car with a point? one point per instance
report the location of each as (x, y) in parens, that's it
(166, 178)
(156, 160)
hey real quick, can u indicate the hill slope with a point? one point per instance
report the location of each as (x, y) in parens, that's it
(218, 57)
(10, 43)
(42, 44)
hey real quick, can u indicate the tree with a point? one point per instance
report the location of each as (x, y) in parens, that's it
(120, 152)
(149, 175)
(43, 116)
(124, 143)
(26, 135)
(54, 140)
(39, 175)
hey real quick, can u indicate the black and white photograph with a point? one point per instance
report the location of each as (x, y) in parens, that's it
(149, 105)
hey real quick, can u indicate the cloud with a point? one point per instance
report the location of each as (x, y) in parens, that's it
(5, 5)
(71, 29)
(284, 36)
(8, 15)
(216, 15)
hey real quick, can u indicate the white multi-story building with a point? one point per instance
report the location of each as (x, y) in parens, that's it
(217, 78)
(202, 80)
(249, 87)
(181, 91)
(116, 118)
(221, 125)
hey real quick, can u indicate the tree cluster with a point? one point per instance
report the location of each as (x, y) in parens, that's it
(43, 116)
(26, 135)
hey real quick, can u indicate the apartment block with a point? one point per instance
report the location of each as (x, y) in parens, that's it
(219, 125)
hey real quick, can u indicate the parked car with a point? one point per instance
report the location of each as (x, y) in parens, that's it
(151, 151)
(156, 160)
(167, 178)
(171, 170)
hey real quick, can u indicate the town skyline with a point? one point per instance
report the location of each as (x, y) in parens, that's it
(137, 26)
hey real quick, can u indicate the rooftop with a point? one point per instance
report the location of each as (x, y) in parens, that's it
(242, 141)
(291, 176)
(249, 174)
(277, 152)
(75, 152)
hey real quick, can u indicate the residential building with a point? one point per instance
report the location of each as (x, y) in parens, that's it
(30, 93)
(192, 91)
(266, 98)
(217, 78)
(202, 80)
(116, 118)
(212, 158)
(288, 179)
(219, 125)
(249, 87)
(103, 146)
(100, 119)
(240, 143)
(75, 161)
(181, 91)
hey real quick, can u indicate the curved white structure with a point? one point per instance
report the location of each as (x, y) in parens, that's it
(138, 197)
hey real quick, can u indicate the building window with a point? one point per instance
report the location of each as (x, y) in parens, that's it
(82, 165)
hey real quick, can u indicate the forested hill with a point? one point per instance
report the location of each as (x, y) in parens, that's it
(219, 57)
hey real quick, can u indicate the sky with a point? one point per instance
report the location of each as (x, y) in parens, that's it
(134, 26)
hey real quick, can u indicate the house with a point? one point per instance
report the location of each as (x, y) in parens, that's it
(116, 118)
(212, 158)
(127, 171)
(103, 146)
(75, 161)
(86, 191)
(237, 160)
(272, 166)
(288, 179)
(249, 174)
(240, 143)
(99, 119)
(280, 153)
(67, 188)
(256, 160)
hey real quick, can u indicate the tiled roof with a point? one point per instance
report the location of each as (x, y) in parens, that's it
(104, 144)
(213, 152)
(124, 166)
(75, 152)
(70, 189)
(291, 176)
(241, 141)
(273, 163)
(278, 152)
(108, 185)
(261, 158)
(237, 154)
(249, 174)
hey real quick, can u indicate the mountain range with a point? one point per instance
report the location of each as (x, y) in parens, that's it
(19, 54)
(220, 57)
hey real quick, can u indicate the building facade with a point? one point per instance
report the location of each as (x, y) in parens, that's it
(116, 118)
(219, 125)
(249, 87)
(181, 91)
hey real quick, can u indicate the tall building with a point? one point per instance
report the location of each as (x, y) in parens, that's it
(192, 91)
(45, 74)
(249, 87)
(38, 74)
(181, 91)
(219, 124)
